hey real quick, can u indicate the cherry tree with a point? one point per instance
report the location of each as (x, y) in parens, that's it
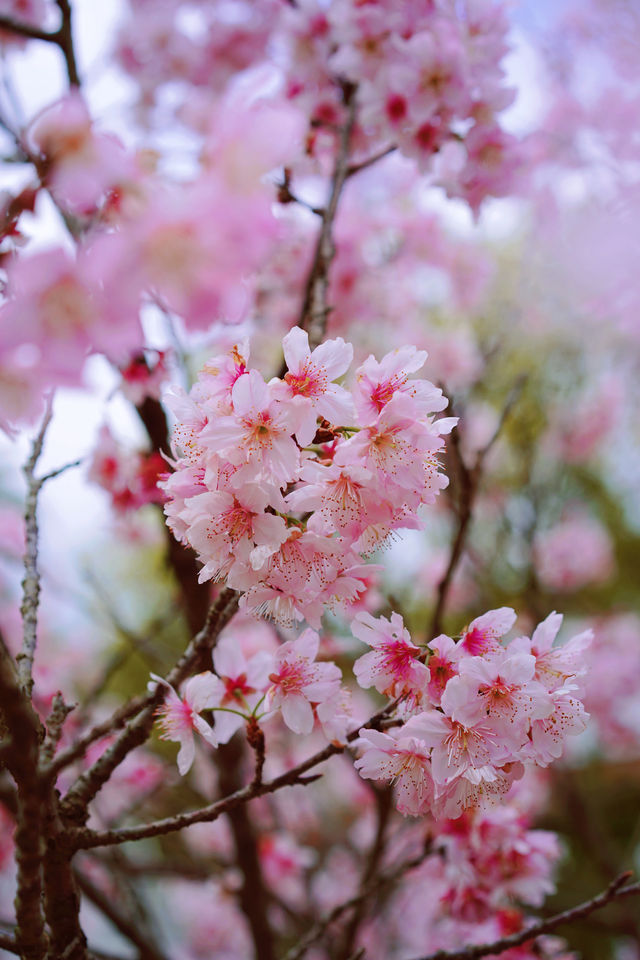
(362, 335)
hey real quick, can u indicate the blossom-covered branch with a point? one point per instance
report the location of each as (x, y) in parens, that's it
(617, 890)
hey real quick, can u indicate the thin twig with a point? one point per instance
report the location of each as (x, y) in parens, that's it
(469, 480)
(376, 883)
(55, 721)
(127, 927)
(615, 891)
(138, 729)
(27, 30)
(62, 37)
(383, 796)
(255, 739)
(369, 162)
(65, 42)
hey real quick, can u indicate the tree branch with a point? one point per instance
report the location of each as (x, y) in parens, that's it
(375, 883)
(21, 757)
(253, 894)
(62, 37)
(137, 730)
(369, 162)
(122, 923)
(470, 478)
(86, 839)
(615, 891)
(383, 796)
(31, 580)
(65, 42)
(26, 30)
(313, 316)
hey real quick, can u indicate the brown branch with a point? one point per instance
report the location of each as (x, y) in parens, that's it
(65, 42)
(285, 194)
(9, 944)
(255, 739)
(102, 729)
(137, 730)
(383, 796)
(469, 479)
(252, 895)
(313, 316)
(62, 37)
(369, 162)
(61, 898)
(21, 757)
(55, 721)
(615, 891)
(127, 927)
(27, 30)
(182, 560)
(86, 839)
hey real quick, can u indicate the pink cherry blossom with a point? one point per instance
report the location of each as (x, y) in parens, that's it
(227, 529)
(179, 719)
(459, 749)
(377, 382)
(502, 692)
(483, 634)
(392, 667)
(443, 664)
(308, 382)
(404, 760)
(297, 681)
(258, 432)
(568, 718)
(239, 687)
(556, 664)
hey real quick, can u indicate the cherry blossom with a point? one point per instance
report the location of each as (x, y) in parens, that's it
(308, 382)
(392, 667)
(179, 716)
(297, 681)
(403, 759)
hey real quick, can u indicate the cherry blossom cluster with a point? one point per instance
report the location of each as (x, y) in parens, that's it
(131, 479)
(427, 77)
(428, 80)
(203, 49)
(493, 860)
(477, 714)
(283, 488)
(487, 870)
